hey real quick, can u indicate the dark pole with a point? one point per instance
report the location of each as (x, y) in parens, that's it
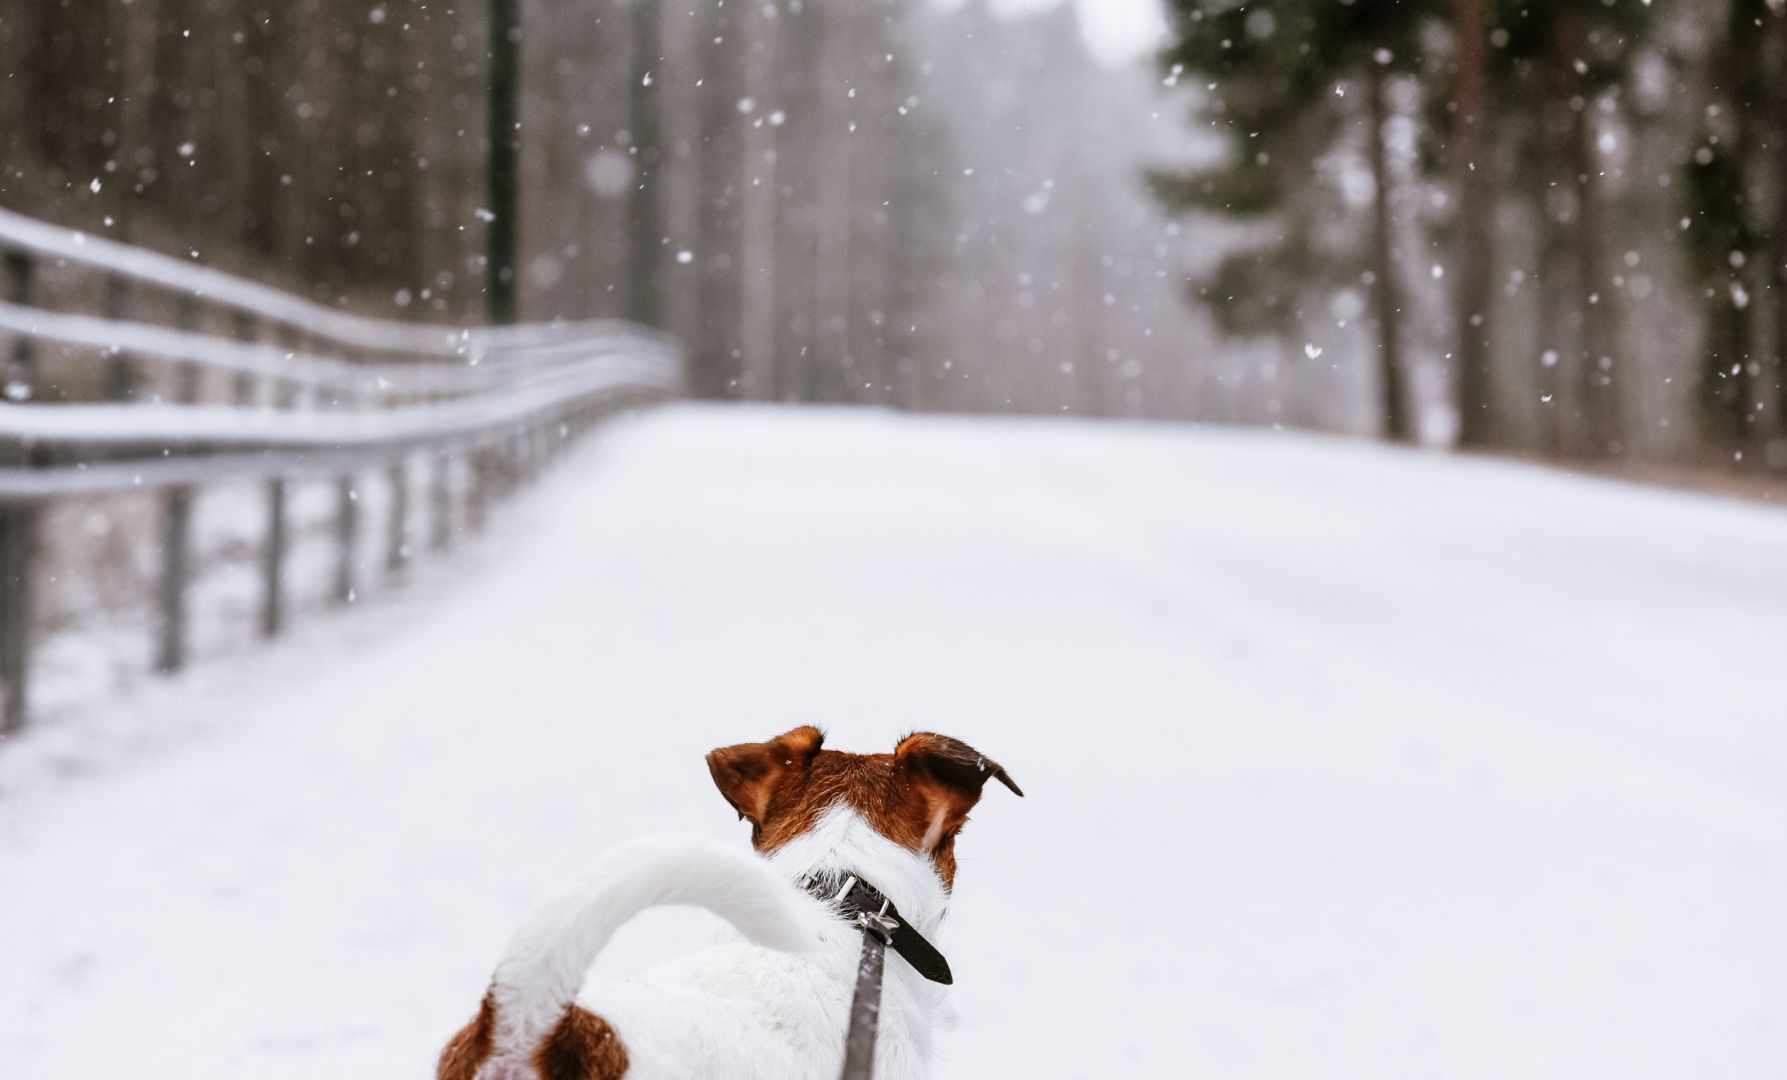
(505, 146)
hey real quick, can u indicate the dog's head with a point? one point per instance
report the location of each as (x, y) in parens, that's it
(918, 796)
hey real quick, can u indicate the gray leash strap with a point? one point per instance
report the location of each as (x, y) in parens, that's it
(865, 1004)
(879, 920)
(865, 1009)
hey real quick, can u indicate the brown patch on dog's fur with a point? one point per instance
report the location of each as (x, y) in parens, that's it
(583, 1047)
(469, 1049)
(918, 796)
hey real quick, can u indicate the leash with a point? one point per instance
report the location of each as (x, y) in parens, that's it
(882, 928)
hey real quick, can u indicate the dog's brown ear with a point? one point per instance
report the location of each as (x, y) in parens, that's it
(950, 774)
(950, 762)
(748, 774)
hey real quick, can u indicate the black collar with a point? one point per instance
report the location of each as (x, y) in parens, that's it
(864, 905)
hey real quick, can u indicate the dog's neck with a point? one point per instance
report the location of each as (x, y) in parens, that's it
(842, 843)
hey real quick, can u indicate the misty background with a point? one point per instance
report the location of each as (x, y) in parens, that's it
(1330, 451)
(1558, 234)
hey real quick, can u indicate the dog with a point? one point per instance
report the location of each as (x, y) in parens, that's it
(773, 1003)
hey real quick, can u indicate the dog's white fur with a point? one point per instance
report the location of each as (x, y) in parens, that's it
(771, 1004)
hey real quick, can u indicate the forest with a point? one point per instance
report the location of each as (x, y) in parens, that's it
(1557, 229)
(879, 202)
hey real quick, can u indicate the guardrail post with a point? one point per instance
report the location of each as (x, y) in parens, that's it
(285, 392)
(19, 381)
(397, 541)
(442, 513)
(477, 488)
(120, 372)
(186, 375)
(18, 542)
(347, 533)
(246, 332)
(518, 465)
(176, 542)
(176, 535)
(273, 562)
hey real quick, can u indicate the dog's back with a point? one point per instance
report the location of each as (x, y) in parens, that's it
(769, 1006)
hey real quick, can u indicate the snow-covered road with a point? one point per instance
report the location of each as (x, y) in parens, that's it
(1341, 761)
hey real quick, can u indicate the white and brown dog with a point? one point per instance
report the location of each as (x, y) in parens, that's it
(772, 1004)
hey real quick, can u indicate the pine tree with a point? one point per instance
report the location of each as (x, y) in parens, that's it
(1728, 234)
(1473, 180)
(1277, 76)
(1573, 54)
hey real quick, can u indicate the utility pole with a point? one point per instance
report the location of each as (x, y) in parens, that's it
(505, 150)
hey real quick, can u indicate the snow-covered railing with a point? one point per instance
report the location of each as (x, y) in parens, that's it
(99, 403)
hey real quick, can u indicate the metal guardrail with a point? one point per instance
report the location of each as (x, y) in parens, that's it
(330, 394)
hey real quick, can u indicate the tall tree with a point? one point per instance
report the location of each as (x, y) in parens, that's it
(502, 284)
(761, 118)
(837, 74)
(800, 149)
(1386, 286)
(717, 350)
(1473, 172)
(1733, 244)
(1580, 52)
(1777, 246)
(1273, 73)
(645, 232)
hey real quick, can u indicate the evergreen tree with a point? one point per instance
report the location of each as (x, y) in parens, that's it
(1570, 57)
(1729, 209)
(1474, 184)
(1277, 76)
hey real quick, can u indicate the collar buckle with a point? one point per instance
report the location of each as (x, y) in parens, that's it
(878, 923)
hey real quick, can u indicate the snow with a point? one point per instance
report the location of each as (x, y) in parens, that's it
(1342, 761)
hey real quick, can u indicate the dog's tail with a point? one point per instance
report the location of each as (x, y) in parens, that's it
(549, 955)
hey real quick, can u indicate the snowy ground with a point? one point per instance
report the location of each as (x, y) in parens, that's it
(1342, 762)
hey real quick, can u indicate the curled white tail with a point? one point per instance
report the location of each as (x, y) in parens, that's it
(552, 951)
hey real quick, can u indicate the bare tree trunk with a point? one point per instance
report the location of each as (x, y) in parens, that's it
(69, 90)
(1394, 412)
(260, 230)
(1596, 388)
(798, 161)
(757, 248)
(1745, 60)
(1551, 285)
(1090, 387)
(170, 107)
(501, 284)
(1473, 178)
(832, 307)
(1777, 238)
(717, 349)
(1594, 365)
(874, 140)
(645, 226)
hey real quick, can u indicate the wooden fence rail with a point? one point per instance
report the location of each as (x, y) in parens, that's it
(298, 391)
